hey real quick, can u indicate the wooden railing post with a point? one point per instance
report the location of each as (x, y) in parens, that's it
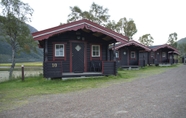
(22, 69)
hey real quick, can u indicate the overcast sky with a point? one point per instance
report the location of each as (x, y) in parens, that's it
(157, 17)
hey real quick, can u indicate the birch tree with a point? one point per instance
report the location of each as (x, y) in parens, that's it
(14, 29)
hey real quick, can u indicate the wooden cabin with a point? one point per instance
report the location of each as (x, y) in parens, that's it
(79, 48)
(131, 54)
(174, 56)
(160, 54)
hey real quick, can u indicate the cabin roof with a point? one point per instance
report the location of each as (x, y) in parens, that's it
(174, 52)
(132, 42)
(76, 25)
(157, 47)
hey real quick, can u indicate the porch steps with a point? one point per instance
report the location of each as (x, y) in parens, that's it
(163, 65)
(130, 67)
(84, 74)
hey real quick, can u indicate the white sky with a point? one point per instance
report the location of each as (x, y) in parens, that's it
(157, 17)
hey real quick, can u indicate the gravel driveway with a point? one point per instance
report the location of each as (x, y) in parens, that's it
(158, 96)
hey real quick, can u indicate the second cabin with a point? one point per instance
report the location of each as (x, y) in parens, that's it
(131, 54)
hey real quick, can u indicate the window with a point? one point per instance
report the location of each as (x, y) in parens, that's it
(59, 50)
(95, 50)
(132, 54)
(152, 54)
(163, 54)
(117, 54)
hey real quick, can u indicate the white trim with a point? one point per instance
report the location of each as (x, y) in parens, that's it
(63, 50)
(78, 25)
(131, 54)
(131, 43)
(56, 30)
(92, 51)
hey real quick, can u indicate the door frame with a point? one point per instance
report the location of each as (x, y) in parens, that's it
(85, 54)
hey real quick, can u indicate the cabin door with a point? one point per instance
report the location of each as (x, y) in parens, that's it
(158, 56)
(143, 58)
(124, 57)
(78, 57)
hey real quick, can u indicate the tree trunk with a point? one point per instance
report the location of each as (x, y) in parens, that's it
(13, 64)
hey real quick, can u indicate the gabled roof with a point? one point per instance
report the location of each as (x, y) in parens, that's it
(81, 24)
(155, 48)
(174, 52)
(132, 42)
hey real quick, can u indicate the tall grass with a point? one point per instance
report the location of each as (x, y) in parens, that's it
(29, 64)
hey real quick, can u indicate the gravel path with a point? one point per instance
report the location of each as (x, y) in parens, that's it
(158, 96)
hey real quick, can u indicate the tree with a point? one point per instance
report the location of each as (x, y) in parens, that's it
(112, 25)
(14, 29)
(96, 14)
(123, 26)
(146, 39)
(75, 15)
(172, 39)
(127, 27)
(182, 49)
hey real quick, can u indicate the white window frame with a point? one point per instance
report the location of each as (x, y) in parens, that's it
(63, 50)
(117, 54)
(163, 54)
(134, 56)
(98, 51)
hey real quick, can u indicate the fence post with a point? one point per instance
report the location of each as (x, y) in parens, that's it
(22, 68)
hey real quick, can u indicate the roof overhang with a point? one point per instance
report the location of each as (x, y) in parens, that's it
(130, 43)
(165, 46)
(174, 52)
(74, 26)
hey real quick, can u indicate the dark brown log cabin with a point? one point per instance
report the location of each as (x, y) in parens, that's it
(79, 48)
(131, 54)
(161, 54)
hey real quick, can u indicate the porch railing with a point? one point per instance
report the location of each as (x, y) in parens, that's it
(52, 69)
(109, 67)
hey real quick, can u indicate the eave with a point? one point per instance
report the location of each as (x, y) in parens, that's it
(133, 43)
(74, 26)
(165, 46)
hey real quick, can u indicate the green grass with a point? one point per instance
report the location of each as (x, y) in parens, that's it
(27, 66)
(14, 93)
(30, 64)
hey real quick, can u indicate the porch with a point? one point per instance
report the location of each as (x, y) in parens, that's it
(54, 69)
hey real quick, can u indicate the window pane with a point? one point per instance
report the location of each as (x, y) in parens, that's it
(132, 54)
(59, 50)
(95, 50)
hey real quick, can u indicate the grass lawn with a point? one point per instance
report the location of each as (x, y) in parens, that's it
(14, 93)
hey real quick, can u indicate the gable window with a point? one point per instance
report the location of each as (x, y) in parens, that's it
(117, 54)
(95, 50)
(59, 50)
(133, 54)
(163, 54)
